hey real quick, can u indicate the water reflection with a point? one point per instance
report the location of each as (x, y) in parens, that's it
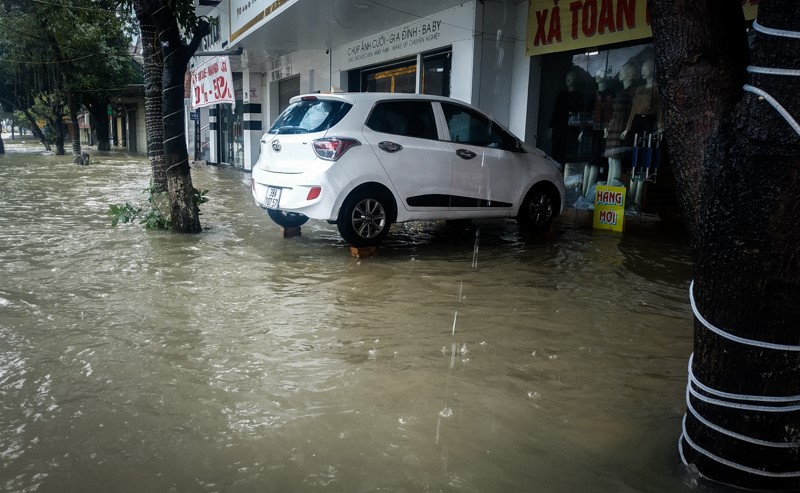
(235, 360)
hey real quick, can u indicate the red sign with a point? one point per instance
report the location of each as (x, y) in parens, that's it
(212, 83)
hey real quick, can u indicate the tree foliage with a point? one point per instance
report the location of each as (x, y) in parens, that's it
(60, 54)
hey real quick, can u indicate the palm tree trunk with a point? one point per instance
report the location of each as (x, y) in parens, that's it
(185, 214)
(35, 130)
(153, 70)
(77, 156)
(736, 160)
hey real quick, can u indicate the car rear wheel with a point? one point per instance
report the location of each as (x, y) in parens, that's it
(287, 219)
(365, 217)
(538, 209)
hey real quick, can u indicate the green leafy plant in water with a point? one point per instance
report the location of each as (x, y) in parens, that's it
(158, 211)
(199, 196)
(156, 217)
(125, 213)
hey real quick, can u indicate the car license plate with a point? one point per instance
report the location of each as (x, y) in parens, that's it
(273, 197)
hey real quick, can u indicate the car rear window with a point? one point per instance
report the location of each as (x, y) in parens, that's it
(305, 117)
(409, 118)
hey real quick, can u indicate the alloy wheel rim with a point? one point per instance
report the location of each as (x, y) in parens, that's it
(369, 218)
(541, 209)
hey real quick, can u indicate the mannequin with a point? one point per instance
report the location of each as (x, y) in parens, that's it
(603, 109)
(621, 109)
(568, 101)
(645, 116)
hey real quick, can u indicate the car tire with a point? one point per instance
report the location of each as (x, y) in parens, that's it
(287, 219)
(538, 209)
(365, 217)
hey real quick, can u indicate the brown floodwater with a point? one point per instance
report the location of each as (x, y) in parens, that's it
(460, 359)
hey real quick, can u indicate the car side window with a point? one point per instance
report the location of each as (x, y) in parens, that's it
(470, 127)
(408, 118)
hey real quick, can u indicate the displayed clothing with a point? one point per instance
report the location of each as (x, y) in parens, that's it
(603, 108)
(620, 111)
(646, 114)
(603, 111)
(565, 136)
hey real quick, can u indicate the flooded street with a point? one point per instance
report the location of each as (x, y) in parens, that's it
(459, 359)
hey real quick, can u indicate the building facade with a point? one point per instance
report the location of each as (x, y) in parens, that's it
(466, 50)
(574, 79)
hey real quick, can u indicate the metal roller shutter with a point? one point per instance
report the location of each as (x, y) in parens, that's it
(287, 89)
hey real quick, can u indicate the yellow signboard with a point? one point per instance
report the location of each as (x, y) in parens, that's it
(609, 208)
(555, 26)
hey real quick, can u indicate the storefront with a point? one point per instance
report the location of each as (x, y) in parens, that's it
(415, 57)
(435, 48)
(401, 75)
(216, 120)
(599, 108)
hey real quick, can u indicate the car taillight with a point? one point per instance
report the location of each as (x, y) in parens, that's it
(313, 193)
(332, 149)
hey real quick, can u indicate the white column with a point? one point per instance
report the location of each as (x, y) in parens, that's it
(252, 112)
(213, 134)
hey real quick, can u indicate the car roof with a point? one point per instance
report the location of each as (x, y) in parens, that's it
(372, 97)
(367, 100)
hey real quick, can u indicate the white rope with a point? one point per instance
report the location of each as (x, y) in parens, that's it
(775, 32)
(775, 104)
(773, 71)
(742, 407)
(751, 470)
(735, 338)
(717, 400)
(173, 113)
(733, 434)
(177, 164)
(175, 137)
(680, 448)
(738, 397)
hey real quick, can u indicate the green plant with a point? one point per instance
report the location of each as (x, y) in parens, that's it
(125, 213)
(199, 196)
(157, 215)
(156, 218)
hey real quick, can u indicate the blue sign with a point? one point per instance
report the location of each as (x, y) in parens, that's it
(194, 116)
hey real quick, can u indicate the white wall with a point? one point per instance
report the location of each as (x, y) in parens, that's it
(315, 75)
(495, 59)
(520, 76)
(462, 75)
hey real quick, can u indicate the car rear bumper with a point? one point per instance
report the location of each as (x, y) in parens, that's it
(294, 192)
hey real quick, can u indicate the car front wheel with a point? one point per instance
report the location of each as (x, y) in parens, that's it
(287, 219)
(365, 218)
(538, 209)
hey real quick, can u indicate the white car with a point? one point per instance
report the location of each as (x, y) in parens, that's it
(367, 160)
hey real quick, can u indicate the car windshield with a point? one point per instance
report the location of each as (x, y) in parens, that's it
(309, 116)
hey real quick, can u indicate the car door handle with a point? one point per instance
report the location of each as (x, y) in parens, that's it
(465, 154)
(390, 146)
